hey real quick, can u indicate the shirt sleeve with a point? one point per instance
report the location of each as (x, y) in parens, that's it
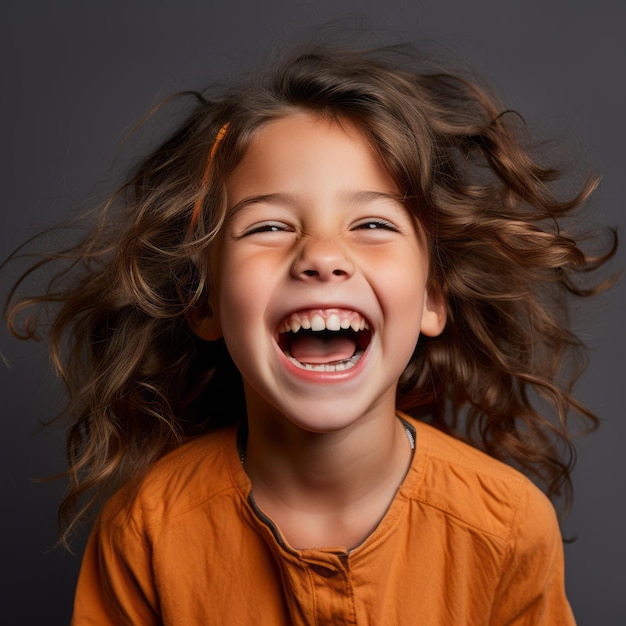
(115, 585)
(531, 591)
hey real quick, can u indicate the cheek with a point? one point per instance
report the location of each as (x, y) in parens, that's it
(236, 316)
(243, 295)
(236, 307)
(402, 277)
(403, 293)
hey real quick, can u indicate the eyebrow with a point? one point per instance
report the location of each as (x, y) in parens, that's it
(363, 197)
(288, 199)
(266, 198)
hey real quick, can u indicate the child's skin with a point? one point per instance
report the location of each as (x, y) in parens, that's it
(316, 227)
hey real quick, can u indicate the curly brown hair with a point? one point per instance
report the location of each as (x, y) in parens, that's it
(140, 382)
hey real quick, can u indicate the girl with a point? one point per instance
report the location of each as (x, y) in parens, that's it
(299, 345)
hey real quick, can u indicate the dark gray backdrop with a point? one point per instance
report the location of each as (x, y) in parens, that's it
(76, 75)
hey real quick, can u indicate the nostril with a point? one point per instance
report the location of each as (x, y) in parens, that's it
(316, 273)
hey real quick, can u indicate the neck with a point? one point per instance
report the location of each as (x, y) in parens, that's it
(326, 472)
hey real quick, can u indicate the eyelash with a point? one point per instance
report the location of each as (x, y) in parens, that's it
(276, 227)
(268, 227)
(374, 224)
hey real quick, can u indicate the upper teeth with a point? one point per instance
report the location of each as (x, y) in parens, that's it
(318, 320)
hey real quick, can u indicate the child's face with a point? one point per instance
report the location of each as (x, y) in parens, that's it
(316, 237)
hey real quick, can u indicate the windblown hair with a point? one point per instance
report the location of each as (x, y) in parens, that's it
(500, 376)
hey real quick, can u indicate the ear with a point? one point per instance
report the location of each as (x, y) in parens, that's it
(204, 323)
(434, 313)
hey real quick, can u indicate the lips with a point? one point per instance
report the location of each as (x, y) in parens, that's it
(324, 340)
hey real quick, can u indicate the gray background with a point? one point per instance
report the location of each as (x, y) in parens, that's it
(76, 75)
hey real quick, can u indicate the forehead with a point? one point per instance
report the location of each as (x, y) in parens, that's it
(306, 153)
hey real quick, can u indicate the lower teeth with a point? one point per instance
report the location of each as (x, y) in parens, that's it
(340, 366)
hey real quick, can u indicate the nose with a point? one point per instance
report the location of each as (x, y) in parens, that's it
(323, 259)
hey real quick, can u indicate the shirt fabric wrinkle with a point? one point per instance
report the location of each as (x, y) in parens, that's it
(466, 540)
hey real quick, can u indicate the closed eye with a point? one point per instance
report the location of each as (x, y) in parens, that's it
(266, 227)
(376, 224)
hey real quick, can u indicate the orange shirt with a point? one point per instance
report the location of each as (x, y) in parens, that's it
(467, 540)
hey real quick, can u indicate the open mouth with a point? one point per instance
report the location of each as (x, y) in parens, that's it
(324, 340)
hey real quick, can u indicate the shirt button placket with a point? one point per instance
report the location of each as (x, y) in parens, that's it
(334, 599)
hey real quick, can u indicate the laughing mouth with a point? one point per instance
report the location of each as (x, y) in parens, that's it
(324, 340)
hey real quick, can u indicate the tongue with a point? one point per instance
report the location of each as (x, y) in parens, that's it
(322, 348)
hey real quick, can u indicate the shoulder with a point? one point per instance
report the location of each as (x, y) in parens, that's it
(181, 481)
(477, 490)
